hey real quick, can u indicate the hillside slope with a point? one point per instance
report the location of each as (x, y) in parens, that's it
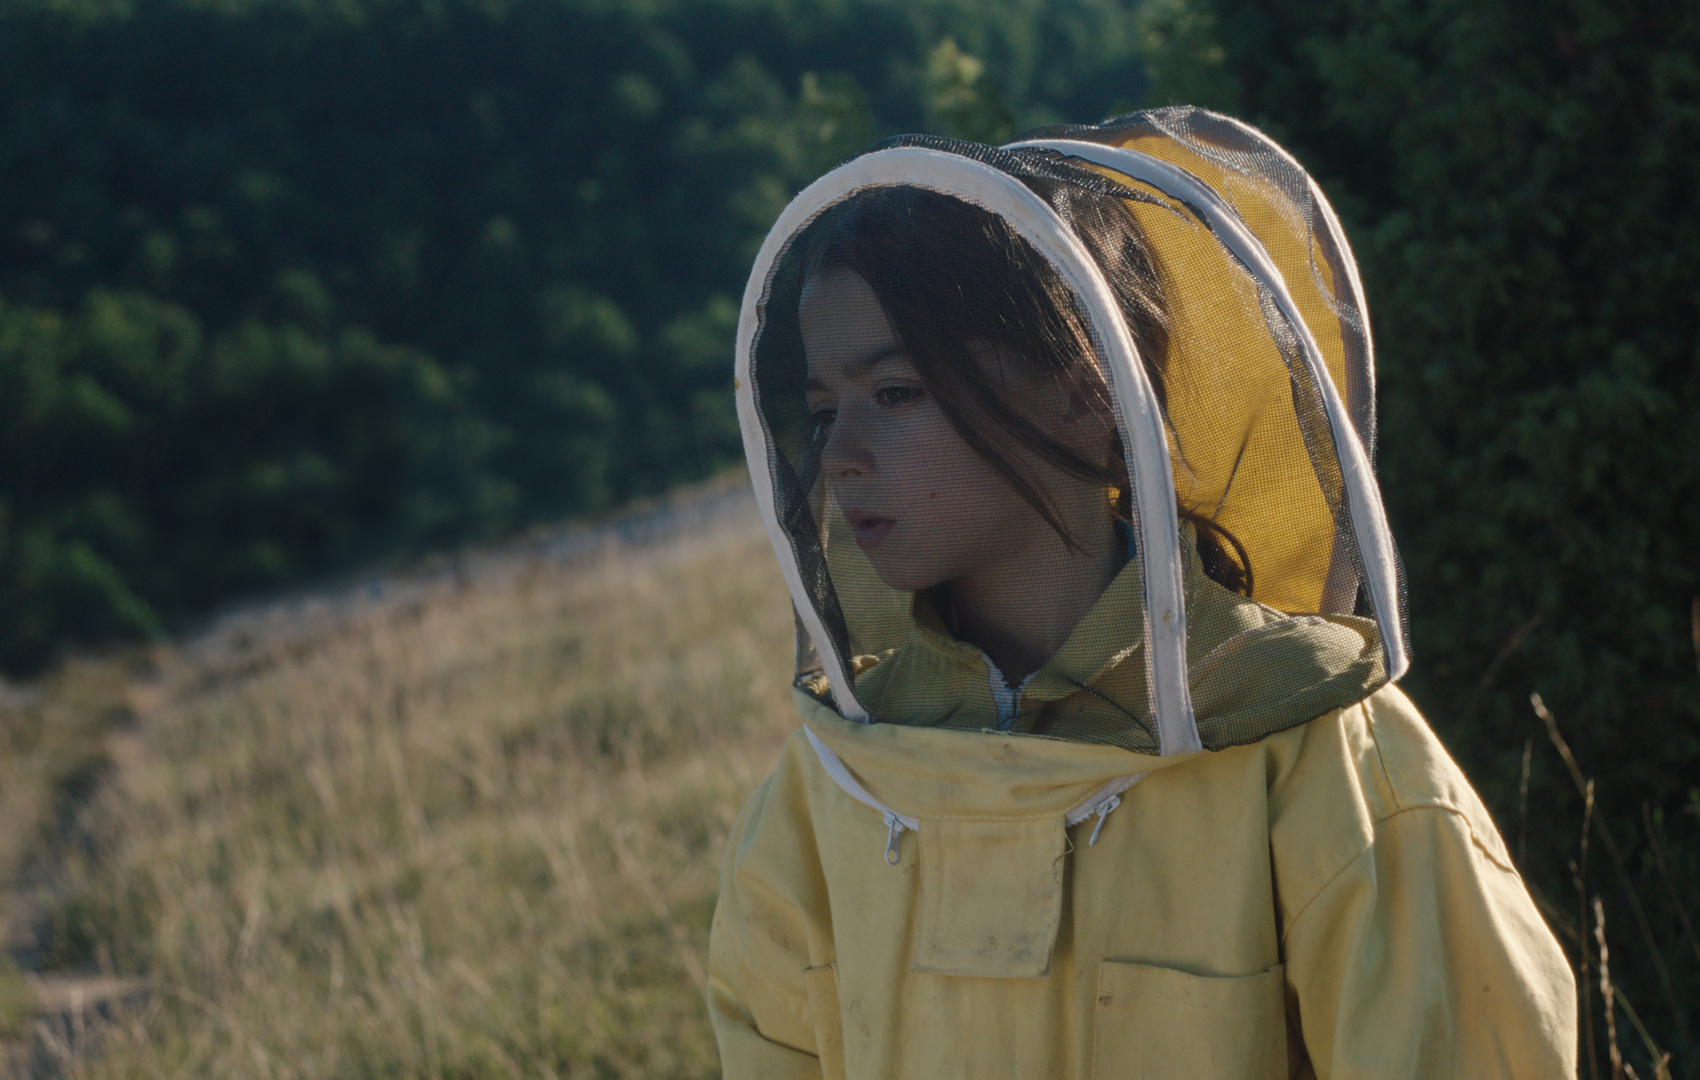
(465, 822)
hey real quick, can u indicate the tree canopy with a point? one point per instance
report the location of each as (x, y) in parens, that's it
(288, 286)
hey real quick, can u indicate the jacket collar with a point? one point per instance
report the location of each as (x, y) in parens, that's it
(1253, 670)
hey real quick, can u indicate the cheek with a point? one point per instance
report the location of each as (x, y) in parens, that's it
(930, 452)
(940, 476)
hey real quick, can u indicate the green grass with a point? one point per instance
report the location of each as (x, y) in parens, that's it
(18, 1005)
(473, 831)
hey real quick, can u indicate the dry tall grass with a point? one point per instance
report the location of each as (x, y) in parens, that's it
(465, 823)
(469, 829)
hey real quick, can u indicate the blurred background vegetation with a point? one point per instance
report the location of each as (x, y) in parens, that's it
(290, 286)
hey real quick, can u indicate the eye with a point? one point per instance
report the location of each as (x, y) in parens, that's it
(822, 415)
(899, 394)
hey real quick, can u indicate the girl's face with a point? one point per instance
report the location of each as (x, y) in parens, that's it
(925, 506)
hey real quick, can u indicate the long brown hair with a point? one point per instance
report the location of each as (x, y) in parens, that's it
(951, 275)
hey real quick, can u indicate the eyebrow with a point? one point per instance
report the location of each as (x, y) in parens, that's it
(864, 363)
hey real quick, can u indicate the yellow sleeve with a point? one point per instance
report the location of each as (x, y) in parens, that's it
(1424, 957)
(757, 954)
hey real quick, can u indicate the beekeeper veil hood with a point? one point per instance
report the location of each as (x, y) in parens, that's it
(1141, 345)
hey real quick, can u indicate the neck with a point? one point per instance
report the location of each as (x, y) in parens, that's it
(1022, 611)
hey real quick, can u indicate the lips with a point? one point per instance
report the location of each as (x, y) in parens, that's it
(870, 528)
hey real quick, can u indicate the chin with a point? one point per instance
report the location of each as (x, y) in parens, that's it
(904, 578)
(907, 584)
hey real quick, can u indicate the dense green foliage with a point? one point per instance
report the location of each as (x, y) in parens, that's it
(1519, 179)
(285, 286)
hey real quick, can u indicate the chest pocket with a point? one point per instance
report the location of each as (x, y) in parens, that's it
(1156, 1023)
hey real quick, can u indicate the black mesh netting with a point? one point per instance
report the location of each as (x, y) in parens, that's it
(949, 455)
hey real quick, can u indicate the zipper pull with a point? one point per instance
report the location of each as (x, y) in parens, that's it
(895, 829)
(1103, 811)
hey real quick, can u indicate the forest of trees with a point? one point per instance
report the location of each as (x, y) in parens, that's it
(284, 286)
(290, 285)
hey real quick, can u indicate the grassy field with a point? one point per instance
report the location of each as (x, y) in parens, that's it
(462, 821)
(465, 823)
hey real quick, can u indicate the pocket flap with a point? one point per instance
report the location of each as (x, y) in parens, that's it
(991, 897)
(1158, 1023)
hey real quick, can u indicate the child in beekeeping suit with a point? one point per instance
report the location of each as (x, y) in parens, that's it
(1064, 448)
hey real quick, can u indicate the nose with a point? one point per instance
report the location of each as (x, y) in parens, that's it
(846, 453)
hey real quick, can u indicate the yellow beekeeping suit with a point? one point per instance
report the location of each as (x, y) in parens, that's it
(1331, 901)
